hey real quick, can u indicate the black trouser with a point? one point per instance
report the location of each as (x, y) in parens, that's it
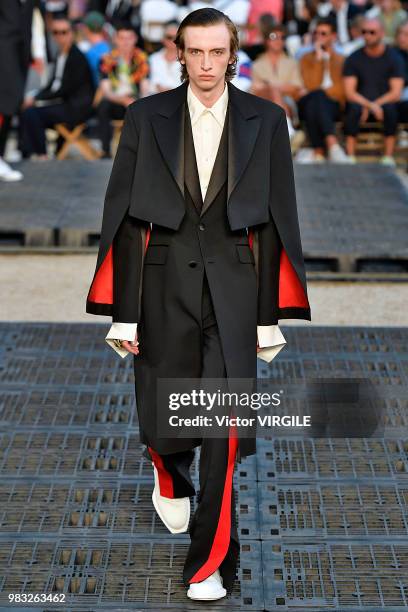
(5, 122)
(319, 112)
(353, 113)
(35, 120)
(213, 528)
(106, 111)
(402, 109)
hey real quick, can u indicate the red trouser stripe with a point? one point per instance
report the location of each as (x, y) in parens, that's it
(221, 541)
(165, 478)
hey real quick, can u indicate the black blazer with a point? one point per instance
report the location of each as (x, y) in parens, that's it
(147, 186)
(77, 88)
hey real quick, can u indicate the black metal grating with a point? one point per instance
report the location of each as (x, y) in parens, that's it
(342, 576)
(347, 510)
(329, 515)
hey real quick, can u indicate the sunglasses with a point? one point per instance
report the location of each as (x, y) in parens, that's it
(322, 33)
(169, 37)
(372, 32)
(276, 36)
(60, 32)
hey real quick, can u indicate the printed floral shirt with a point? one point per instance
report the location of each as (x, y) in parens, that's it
(124, 77)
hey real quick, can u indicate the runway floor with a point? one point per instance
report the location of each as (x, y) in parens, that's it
(323, 522)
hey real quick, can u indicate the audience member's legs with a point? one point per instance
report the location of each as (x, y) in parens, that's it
(35, 120)
(351, 125)
(402, 110)
(106, 111)
(308, 107)
(390, 127)
(328, 112)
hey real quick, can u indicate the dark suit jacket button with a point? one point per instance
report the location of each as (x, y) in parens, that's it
(201, 227)
(192, 264)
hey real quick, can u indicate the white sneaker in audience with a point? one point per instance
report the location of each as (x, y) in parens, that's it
(338, 156)
(7, 173)
(308, 156)
(387, 160)
(14, 156)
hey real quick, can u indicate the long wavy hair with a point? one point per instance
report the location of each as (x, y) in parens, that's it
(207, 17)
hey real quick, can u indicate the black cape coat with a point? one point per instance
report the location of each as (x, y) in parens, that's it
(145, 216)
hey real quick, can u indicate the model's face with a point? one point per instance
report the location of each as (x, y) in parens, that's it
(206, 54)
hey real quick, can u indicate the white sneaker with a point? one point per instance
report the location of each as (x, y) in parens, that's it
(308, 156)
(7, 173)
(338, 156)
(387, 160)
(175, 513)
(208, 589)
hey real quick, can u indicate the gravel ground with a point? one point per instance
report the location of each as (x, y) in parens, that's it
(54, 288)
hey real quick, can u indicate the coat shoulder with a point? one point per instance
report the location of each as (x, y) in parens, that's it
(153, 103)
(262, 106)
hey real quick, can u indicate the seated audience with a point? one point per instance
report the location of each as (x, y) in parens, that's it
(275, 75)
(356, 38)
(401, 47)
(67, 97)
(341, 13)
(259, 8)
(153, 15)
(321, 105)
(98, 45)
(391, 16)
(165, 69)
(373, 82)
(123, 74)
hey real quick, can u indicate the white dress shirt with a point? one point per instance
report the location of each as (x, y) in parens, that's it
(207, 124)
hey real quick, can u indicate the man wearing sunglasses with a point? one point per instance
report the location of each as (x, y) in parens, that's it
(164, 67)
(323, 100)
(67, 97)
(373, 81)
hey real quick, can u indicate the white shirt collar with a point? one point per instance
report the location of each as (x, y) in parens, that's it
(218, 109)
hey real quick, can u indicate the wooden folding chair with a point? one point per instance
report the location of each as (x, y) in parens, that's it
(117, 125)
(75, 137)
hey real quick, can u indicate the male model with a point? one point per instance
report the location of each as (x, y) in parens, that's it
(200, 256)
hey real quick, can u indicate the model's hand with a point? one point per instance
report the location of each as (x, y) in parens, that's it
(132, 347)
(258, 348)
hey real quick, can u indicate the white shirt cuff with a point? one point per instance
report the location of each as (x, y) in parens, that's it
(271, 340)
(121, 331)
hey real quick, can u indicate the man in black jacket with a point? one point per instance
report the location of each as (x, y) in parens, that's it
(67, 97)
(199, 258)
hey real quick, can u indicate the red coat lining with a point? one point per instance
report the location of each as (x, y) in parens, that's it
(291, 293)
